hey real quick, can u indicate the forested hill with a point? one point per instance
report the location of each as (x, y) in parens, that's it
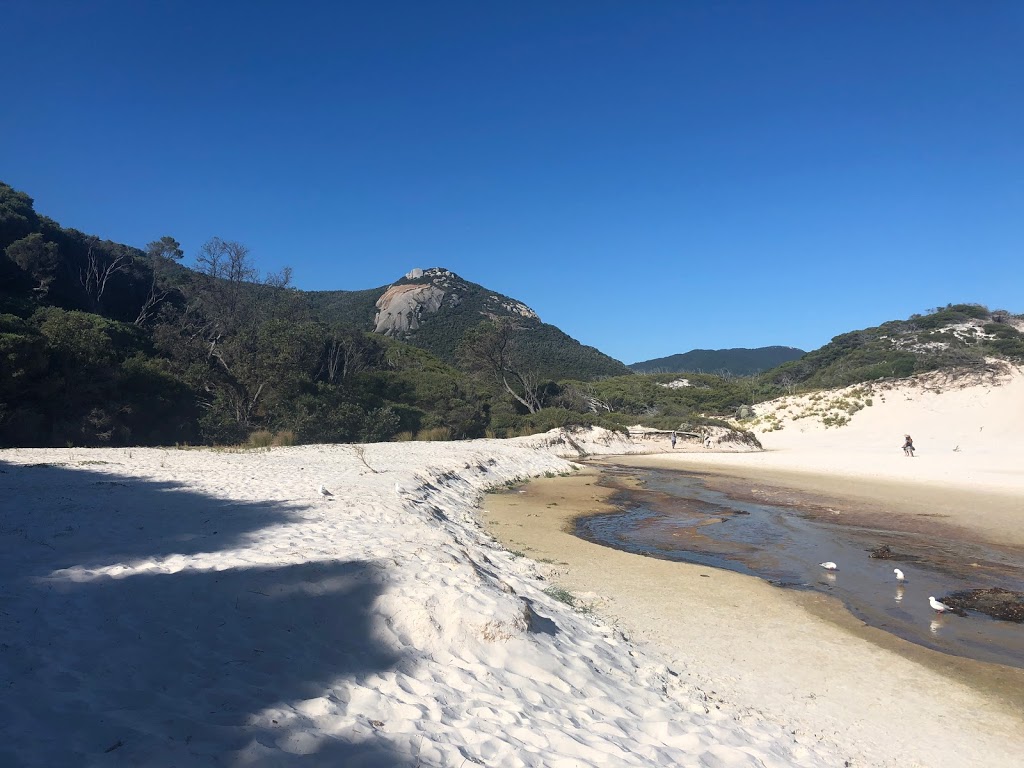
(106, 344)
(434, 309)
(734, 362)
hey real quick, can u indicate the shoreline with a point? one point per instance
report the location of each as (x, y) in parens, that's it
(954, 506)
(821, 663)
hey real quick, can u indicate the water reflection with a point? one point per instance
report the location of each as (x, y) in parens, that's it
(674, 515)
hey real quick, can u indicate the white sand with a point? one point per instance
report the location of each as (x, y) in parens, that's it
(180, 608)
(175, 608)
(969, 436)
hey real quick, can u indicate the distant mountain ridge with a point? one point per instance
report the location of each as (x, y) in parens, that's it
(737, 362)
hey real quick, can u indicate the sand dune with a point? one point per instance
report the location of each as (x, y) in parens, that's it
(968, 432)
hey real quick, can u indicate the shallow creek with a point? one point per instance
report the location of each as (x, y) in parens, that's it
(674, 515)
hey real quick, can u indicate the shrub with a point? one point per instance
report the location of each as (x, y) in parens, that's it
(284, 438)
(380, 424)
(561, 595)
(262, 438)
(434, 433)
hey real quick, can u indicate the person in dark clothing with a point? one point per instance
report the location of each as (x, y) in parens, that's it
(908, 446)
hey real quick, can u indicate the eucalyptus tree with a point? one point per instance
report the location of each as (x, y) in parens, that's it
(160, 254)
(494, 350)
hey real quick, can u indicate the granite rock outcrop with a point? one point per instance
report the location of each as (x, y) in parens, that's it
(402, 308)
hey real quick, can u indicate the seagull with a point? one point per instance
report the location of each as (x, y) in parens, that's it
(899, 575)
(324, 492)
(829, 566)
(939, 607)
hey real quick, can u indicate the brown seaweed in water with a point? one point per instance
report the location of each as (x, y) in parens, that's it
(885, 552)
(998, 603)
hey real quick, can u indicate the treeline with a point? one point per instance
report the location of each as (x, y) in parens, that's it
(203, 374)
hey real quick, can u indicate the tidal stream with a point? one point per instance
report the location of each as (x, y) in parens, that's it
(674, 515)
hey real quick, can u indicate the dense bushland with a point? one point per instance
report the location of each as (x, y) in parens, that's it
(952, 337)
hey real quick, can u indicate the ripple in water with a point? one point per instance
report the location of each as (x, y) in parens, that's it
(675, 516)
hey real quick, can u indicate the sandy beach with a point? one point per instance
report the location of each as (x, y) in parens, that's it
(197, 607)
(801, 657)
(171, 607)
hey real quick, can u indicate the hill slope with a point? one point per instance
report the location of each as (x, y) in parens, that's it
(104, 344)
(958, 336)
(738, 362)
(433, 309)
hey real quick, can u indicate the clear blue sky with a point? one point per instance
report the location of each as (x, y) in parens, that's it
(652, 177)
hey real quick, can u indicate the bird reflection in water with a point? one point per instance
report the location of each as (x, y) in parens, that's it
(899, 594)
(935, 626)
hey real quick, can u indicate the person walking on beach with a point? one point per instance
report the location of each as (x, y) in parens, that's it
(908, 446)
(673, 440)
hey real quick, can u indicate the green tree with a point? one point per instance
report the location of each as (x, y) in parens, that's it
(17, 217)
(160, 255)
(36, 257)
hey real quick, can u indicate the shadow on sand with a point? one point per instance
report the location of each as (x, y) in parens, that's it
(197, 667)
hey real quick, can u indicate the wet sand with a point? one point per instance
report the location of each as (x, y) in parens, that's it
(914, 507)
(799, 658)
(677, 516)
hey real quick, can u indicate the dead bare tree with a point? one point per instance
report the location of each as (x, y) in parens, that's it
(346, 354)
(99, 269)
(787, 382)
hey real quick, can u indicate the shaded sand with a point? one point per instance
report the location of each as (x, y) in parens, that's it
(797, 659)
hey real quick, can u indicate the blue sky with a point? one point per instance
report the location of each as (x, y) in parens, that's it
(651, 177)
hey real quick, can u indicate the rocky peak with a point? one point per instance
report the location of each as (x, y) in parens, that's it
(422, 292)
(400, 308)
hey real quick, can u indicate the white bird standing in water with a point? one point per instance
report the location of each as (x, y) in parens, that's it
(829, 566)
(899, 575)
(940, 607)
(324, 492)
